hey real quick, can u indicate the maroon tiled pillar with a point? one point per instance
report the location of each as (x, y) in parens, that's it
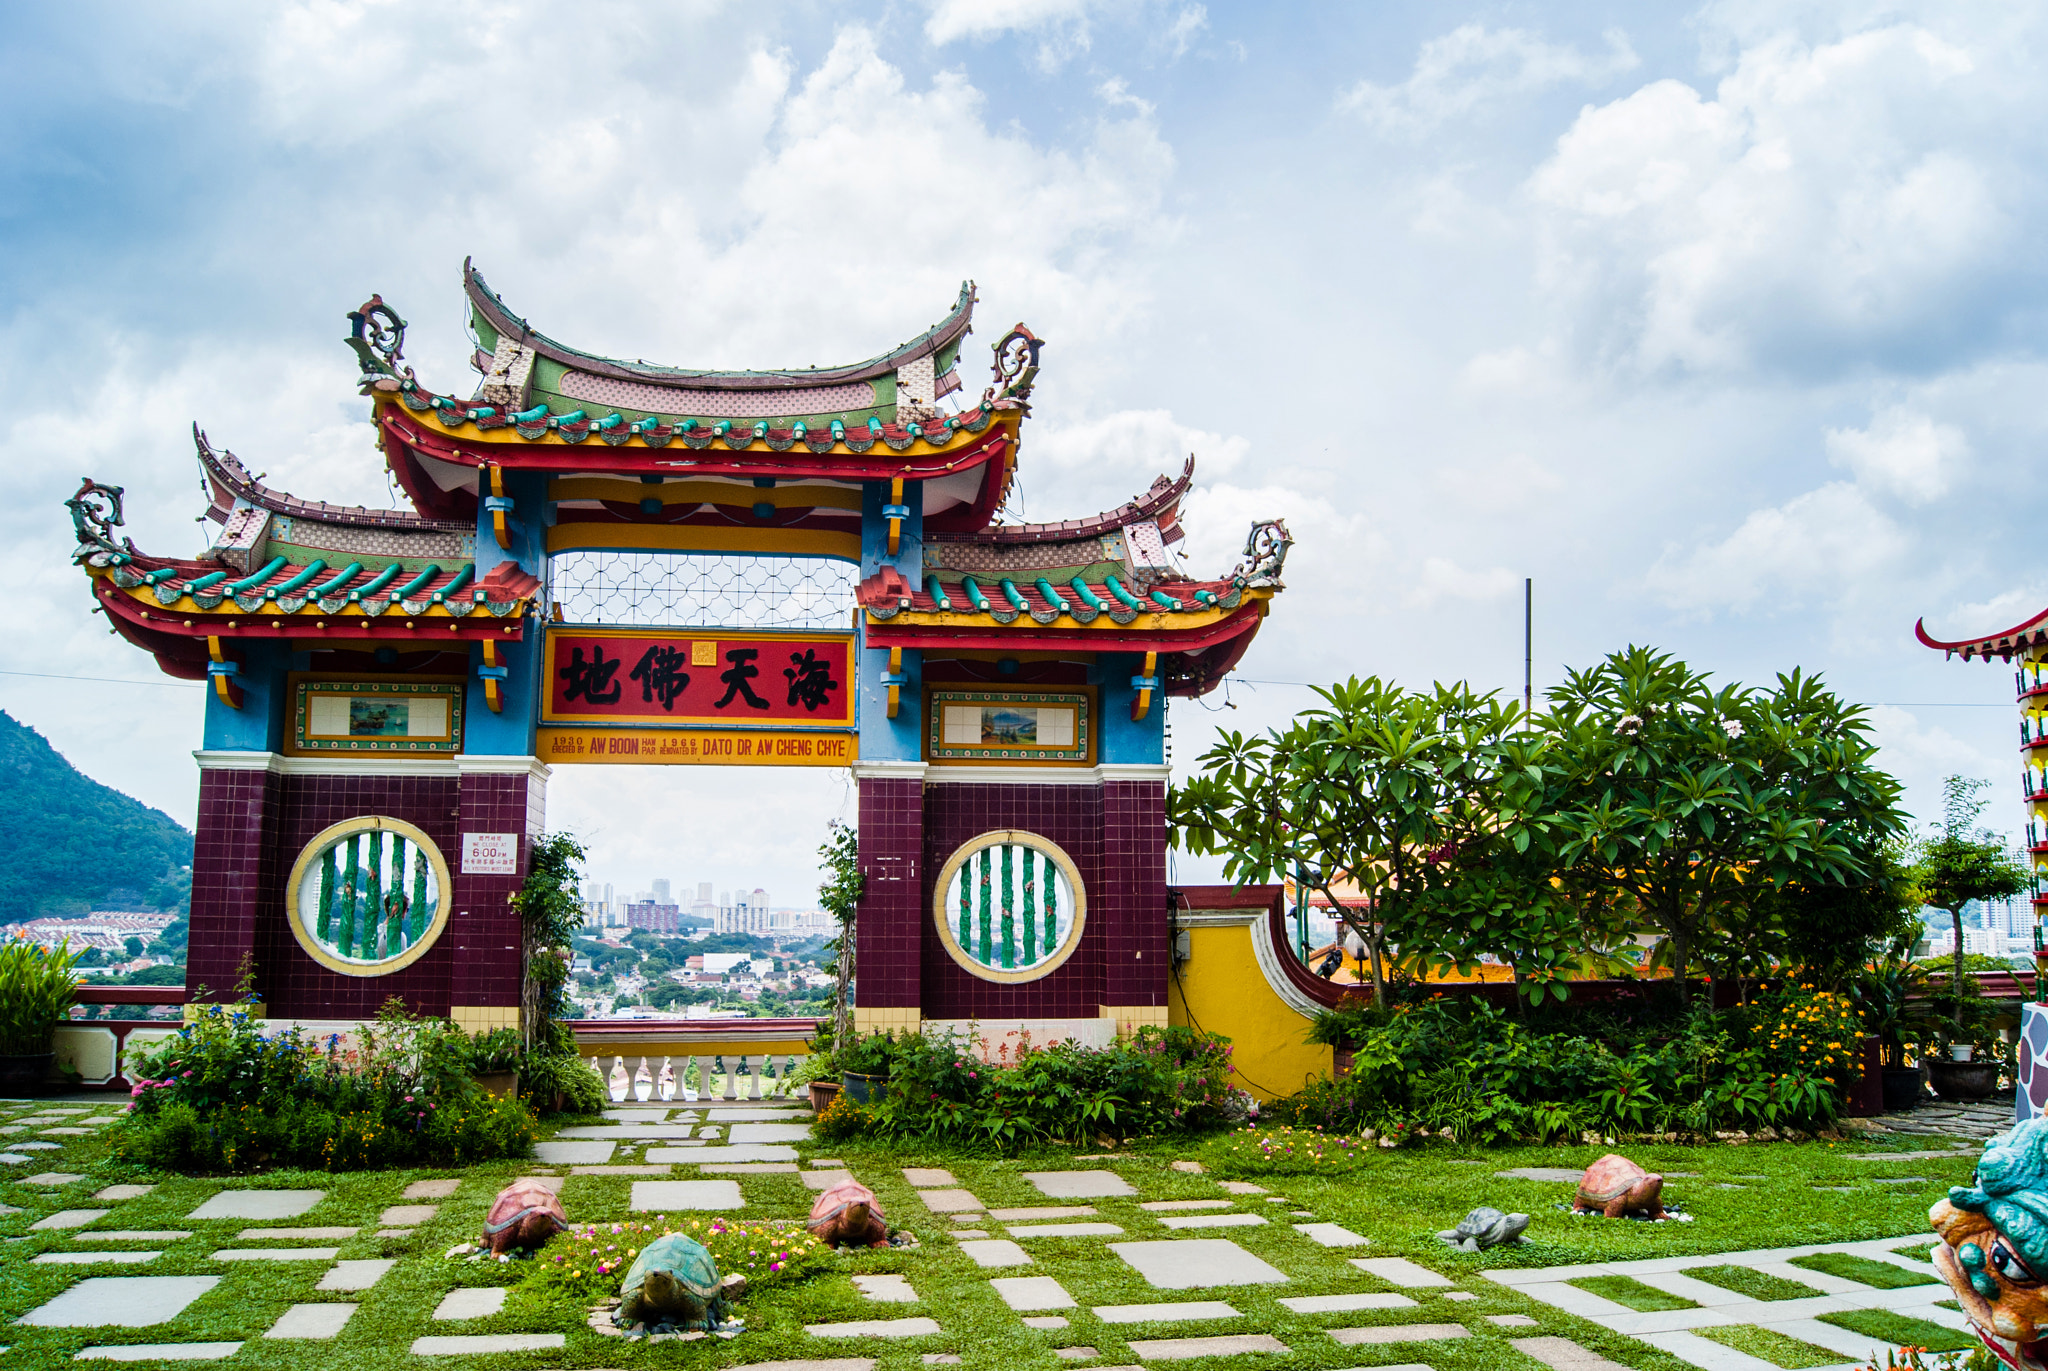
(1130, 900)
(235, 883)
(889, 925)
(498, 795)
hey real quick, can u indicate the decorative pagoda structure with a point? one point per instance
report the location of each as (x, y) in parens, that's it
(2027, 646)
(390, 688)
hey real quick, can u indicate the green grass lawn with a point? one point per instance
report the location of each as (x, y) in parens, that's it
(1901, 1328)
(1863, 1270)
(1627, 1290)
(1757, 1285)
(1398, 1200)
(1770, 1346)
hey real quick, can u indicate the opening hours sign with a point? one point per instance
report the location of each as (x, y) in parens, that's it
(698, 696)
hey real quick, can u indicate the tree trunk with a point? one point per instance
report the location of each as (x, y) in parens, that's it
(1680, 950)
(1956, 965)
(843, 974)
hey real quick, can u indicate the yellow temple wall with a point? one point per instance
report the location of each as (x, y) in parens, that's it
(1220, 986)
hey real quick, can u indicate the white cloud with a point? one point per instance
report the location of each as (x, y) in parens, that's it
(1442, 579)
(1132, 445)
(1180, 33)
(1830, 206)
(1473, 67)
(1903, 452)
(1820, 545)
(1512, 483)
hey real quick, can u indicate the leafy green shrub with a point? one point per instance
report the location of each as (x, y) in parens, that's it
(1288, 1151)
(585, 1263)
(1469, 1070)
(546, 1077)
(36, 990)
(870, 1054)
(221, 1096)
(1805, 1031)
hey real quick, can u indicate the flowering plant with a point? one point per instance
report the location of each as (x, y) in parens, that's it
(588, 1261)
(1290, 1151)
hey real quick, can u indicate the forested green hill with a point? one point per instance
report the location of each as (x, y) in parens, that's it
(79, 845)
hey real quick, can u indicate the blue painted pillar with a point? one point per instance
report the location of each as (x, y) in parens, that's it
(510, 733)
(883, 738)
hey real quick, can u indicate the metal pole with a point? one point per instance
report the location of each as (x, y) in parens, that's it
(1528, 642)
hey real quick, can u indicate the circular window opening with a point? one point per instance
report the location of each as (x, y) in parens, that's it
(367, 896)
(1010, 906)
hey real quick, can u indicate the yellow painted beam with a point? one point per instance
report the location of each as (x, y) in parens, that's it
(625, 490)
(809, 542)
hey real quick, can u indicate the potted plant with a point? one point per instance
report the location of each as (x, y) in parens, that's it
(1883, 992)
(817, 1074)
(36, 990)
(864, 1067)
(494, 1061)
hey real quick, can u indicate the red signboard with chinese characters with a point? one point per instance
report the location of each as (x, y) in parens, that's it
(691, 678)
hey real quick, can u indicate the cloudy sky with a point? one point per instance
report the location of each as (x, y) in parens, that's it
(1718, 321)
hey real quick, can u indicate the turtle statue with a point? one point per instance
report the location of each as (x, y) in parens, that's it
(848, 1215)
(525, 1215)
(1483, 1228)
(671, 1286)
(1994, 1245)
(1615, 1186)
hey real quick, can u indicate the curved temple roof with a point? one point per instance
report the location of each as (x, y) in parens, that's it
(231, 481)
(492, 309)
(2031, 634)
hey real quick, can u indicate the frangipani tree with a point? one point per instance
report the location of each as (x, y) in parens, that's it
(1700, 807)
(1432, 804)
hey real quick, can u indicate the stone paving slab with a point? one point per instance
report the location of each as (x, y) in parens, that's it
(1542, 1173)
(51, 1177)
(1214, 1221)
(1331, 1234)
(1380, 1334)
(751, 1169)
(1047, 1211)
(874, 1328)
(132, 1235)
(1065, 1230)
(886, 1289)
(1172, 1206)
(17, 1158)
(949, 1201)
(473, 1302)
(768, 1133)
(120, 1302)
(319, 1321)
(276, 1254)
(624, 1132)
(687, 1195)
(68, 1218)
(1184, 1311)
(991, 1252)
(1231, 1345)
(123, 1192)
(477, 1345)
(1564, 1354)
(1076, 1353)
(1511, 1320)
(616, 1170)
(1025, 1293)
(433, 1190)
(752, 1152)
(161, 1351)
(1045, 1321)
(1706, 1354)
(258, 1204)
(1876, 1248)
(1242, 1188)
(294, 1234)
(808, 1364)
(1345, 1304)
(1399, 1271)
(93, 1258)
(573, 1153)
(356, 1275)
(1078, 1185)
(408, 1213)
(1191, 1263)
(825, 1180)
(922, 1176)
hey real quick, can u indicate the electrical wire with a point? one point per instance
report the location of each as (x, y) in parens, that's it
(109, 680)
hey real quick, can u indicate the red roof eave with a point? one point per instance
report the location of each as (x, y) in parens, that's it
(2032, 633)
(1243, 621)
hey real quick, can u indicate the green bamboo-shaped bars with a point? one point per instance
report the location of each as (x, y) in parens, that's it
(352, 879)
(418, 925)
(373, 895)
(1009, 913)
(326, 892)
(365, 910)
(989, 927)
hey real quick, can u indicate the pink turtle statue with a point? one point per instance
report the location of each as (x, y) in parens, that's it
(849, 1215)
(1615, 1186)
(525, 1215)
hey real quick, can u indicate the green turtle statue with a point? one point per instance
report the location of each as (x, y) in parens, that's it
(672, 1285)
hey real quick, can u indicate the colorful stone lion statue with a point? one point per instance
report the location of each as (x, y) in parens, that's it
(1994, 1245)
